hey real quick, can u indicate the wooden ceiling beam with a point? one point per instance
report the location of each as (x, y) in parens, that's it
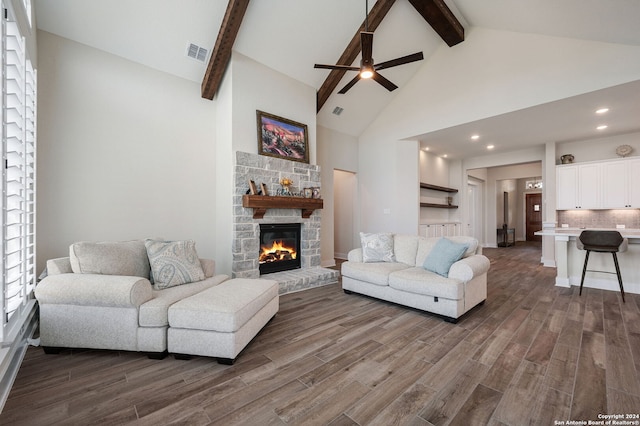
(376, 15)
(223, 47)
(441, 19)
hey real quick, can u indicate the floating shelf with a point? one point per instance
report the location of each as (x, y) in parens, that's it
(438, 206)
(437, 188)
(260, 204)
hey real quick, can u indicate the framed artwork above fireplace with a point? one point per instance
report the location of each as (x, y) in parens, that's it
(282, 138)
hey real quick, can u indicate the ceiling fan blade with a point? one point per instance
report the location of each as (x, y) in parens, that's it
(366, 43)
(400, 61)
(383, 81)
(336, 67)
(350, 84)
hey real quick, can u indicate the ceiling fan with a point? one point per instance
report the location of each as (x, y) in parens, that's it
(369, 69)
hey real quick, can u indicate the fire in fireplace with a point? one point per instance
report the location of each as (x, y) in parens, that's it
(279, 247)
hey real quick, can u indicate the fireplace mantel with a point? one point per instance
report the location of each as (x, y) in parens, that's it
(260, 204)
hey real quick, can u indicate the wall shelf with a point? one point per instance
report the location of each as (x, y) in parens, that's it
(436, 187)
(438, 206)
(260, 204)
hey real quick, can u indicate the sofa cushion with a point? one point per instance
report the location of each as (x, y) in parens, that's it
(173, 263)
(377, 247)
(420, 281)
(128, 258)
(224, 308)
(374, 273)
(444, 254)
(405, 248)
(154, 312)
(472, 244)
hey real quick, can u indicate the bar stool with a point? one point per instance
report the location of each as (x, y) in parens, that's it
(602, 242)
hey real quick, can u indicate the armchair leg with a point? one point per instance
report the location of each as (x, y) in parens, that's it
(51, 350)
(157, 355)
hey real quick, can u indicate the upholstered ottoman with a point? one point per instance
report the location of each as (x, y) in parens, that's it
(220, 321)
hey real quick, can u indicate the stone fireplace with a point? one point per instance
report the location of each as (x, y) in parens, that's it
(246, 229)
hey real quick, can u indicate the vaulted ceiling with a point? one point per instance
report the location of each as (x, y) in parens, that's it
(291, 36)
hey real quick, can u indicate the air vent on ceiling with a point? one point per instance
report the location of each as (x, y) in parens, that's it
(338, 110)
(196, 52)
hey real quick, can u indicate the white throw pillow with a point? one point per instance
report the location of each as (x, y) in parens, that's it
(173, 263)
(377, 247)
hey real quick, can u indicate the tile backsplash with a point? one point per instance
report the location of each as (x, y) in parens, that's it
(599, 218)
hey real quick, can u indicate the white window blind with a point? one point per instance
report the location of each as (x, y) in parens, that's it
(18, 178)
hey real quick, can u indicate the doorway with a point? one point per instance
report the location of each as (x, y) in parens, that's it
(533, 219)
(475, 189)
(344, 199)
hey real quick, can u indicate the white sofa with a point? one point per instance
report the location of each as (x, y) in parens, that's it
(104, 310)
(405, 281)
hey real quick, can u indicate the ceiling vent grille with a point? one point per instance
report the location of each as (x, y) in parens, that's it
(196, 52)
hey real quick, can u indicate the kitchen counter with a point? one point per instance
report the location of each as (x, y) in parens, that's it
(570, 261)
(574, 232)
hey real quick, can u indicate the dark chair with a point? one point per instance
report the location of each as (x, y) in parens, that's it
(602, 242)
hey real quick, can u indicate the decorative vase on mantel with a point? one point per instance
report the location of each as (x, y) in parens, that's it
(286, 186)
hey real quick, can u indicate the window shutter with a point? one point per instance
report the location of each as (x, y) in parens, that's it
(18, 183)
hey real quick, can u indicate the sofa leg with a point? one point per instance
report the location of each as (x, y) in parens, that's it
(51, 350)
(226, 361)
(182, 357)
(157, 355)
(347, 291)
(450, 320)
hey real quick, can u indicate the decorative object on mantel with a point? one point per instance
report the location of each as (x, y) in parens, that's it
(282, 138)
(252, 188)
(286, 185)
(624, 150)
(567, 159)
(316, 192)
(308, 193)
(264, 189)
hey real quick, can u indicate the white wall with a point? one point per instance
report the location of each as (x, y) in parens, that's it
(490, 73)
(124, 152)
(336, 151)
(345, 189)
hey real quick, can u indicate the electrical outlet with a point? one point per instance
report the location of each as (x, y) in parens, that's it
(565, 225)
(619, 226)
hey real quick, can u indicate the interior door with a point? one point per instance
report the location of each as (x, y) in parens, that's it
(534, 216)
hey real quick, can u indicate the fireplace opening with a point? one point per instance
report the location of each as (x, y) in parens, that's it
(279, 247)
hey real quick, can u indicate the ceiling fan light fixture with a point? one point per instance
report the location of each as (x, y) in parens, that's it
(366, 72)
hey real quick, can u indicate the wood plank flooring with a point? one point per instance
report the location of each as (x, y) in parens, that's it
(534, 353)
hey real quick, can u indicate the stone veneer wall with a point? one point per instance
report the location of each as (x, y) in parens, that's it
(246, 229)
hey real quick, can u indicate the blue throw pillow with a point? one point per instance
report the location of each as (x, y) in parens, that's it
(444, 254)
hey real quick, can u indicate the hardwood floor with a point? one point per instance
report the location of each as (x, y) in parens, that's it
(534, 353)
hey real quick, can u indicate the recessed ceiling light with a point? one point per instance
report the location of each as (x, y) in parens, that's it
(475, 137)
(426, 148)
(604, 126)
(444, 156)
(490, 146)
(602, 110)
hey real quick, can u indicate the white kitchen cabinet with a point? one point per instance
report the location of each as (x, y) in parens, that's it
(620, 184)
(613, 184)
(579, 186)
